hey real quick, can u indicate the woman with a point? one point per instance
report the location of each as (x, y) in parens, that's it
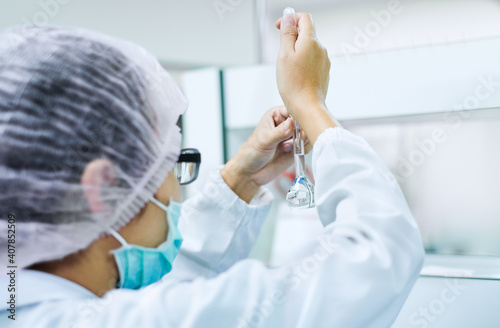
(88, 146)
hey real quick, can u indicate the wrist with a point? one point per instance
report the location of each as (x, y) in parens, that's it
(314, 119)
(305, 99)
(239, 182)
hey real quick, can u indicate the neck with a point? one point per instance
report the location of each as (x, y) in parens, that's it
(93, 268)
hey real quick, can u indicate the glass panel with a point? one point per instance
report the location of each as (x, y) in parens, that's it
(448, 166)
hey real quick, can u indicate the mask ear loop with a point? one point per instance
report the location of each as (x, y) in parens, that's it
(159, 204)
(118, 237)
(124, 244)
(121, 239)
(164, 207)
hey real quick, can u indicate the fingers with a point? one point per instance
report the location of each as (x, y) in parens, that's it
(276, 115)
(288, 34)
(285, 130)
(306, 26)
(279, 114)
(287, 146)
(276, 131)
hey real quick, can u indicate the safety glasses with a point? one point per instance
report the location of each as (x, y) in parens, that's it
(187, 167)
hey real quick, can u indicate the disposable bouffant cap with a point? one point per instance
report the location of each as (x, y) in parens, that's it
(69, 97)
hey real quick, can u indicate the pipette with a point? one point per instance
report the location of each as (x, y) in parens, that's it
(301, 192)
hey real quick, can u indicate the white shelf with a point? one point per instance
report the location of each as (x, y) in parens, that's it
(460, 266)
(397, 83)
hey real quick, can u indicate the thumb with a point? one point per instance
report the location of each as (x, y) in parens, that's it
(288, 33)
(283, 131)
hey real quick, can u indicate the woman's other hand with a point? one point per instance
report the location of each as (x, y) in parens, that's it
(264, 156)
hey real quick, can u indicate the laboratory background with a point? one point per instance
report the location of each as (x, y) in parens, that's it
(418, 79)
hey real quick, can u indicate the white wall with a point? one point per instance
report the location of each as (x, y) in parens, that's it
(198, 33)
(182, 33)
(417, 23)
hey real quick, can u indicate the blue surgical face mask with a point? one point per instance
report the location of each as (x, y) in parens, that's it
(141, 266)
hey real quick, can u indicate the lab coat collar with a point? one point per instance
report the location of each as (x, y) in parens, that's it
(36, 287)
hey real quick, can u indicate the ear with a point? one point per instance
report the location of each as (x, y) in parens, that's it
(97, 174)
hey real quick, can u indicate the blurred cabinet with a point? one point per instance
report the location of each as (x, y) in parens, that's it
(188, 33)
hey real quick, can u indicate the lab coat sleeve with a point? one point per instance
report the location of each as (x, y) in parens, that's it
(218, 228)
(357, 274)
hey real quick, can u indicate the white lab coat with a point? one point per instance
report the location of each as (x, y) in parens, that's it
(357, 274)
